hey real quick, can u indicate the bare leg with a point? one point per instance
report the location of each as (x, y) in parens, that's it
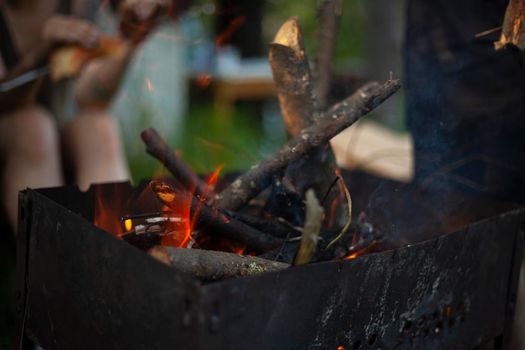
(92, 140)
(29, 143)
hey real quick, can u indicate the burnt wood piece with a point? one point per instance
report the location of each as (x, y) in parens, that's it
(157, 147)
(210, 265)
(214, 221)
(328, 125)
(513, 30)
(294, 84)
(329, 13)
(357, 238)
(275, 227)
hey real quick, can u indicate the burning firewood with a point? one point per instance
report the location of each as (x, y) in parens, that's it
(215, 221)
(208, 265)
(305, 162)
(513, 30)
(328, 125)
(158, 148)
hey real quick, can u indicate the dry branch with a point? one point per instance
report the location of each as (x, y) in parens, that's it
(513, 31)
(312, 228)
(292, 78)
(158, 148)
(330, 12)
(214, 221)
(328, 125)
(209, 265)
(293, 81)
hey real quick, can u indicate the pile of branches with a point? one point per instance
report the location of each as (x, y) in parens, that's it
(304, 210)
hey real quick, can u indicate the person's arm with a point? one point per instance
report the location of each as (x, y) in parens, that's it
(57, 30)
(101, 78)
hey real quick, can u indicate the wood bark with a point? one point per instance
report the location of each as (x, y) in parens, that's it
(328, 125)
(292, 77)
(330, 12)
(157, 147)
(513, 30)
(209, 265)
(295, 90)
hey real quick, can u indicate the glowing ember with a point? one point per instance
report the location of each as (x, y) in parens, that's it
(128, 224)
(352, 257)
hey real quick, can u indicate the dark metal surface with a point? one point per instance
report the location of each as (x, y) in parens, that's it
(81, 288)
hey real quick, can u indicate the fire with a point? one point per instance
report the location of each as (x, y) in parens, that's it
(352, 256)
(105, 212)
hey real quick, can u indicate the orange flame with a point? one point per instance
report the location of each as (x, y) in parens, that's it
(105, 214)
(352, 256)
(184, 210)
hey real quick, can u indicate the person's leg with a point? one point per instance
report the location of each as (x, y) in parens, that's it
(30, 147)
(92, 143)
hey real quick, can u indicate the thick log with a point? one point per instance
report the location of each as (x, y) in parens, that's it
(213, 221)
(328, 125)
(513, 30)
(292, 77)
(157, 147)
(209, 265)
(293, 81)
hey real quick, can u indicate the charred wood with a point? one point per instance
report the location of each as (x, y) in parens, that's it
(157, 147)
(213, 221)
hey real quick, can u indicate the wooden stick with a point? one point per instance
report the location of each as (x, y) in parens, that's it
(312, 228)
(209, 265)
(293, 81)
(158, 148)
(330, 12)
(513, 31)
(292, 77)
(331, 123)
(214, 221)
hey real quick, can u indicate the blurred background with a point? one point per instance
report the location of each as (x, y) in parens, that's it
(205, 83)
